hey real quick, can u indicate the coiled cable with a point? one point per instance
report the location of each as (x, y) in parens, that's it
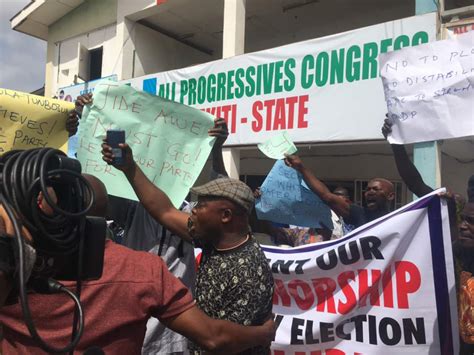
(24, 176)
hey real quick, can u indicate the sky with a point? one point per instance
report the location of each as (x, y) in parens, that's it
(22, 57)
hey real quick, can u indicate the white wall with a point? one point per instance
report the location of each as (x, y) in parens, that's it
(65, 62)
(85, 20)
(155, 52)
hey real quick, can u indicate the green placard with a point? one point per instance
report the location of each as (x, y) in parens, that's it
(277, 146)
(170, 141)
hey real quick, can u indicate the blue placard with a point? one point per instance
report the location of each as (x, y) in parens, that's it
(285, 200)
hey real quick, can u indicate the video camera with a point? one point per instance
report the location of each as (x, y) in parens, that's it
(69, 244)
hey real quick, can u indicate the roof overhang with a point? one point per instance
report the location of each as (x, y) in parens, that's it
(35, 18)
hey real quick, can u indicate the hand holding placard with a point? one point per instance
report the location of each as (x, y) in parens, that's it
(284, 199)
(429, 90)
(277, 146)
(170, 140)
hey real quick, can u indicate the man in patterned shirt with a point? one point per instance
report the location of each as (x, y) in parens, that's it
(234, 280)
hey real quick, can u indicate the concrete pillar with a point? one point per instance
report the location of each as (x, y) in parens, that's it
(233, 44)
(427, 156)
(427, 159)
(231, 158)
(425, 6)
(234, 28)
(49, 82)
(125, 47)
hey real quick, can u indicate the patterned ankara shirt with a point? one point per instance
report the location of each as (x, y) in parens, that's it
(236, 285)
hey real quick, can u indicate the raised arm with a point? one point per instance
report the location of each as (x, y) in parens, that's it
(220, 131)
(72, 122)
(335, 202)
(155, 201)
(407, 170)
(220, 336)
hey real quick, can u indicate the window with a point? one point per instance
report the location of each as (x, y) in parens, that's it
(95, 63)
(253, 181)
(454, 4)
(90, 63)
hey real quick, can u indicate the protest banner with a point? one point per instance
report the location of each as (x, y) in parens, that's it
(30, 121)
(453, 30)
(286, 200)
(429, 90)
(372, 291)
(277, 146)
(170, 141)
(302, 87)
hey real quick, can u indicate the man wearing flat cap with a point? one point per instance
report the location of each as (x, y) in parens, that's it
(234, 280)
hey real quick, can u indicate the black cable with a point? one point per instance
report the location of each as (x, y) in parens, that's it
(24, 175)
(77, 315)
(23, 294)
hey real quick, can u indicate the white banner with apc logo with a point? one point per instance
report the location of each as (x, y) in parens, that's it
(323, 89)
(386, 288)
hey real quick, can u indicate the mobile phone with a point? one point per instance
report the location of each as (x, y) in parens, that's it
(114, 138)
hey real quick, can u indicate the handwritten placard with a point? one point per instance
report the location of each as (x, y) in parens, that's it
(429, 90)
(30, 121)
(277, 146)
(170, 141)
(285, 200)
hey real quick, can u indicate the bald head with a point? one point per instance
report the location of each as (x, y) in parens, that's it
(386, 184)
(99, 208)
(379, 194)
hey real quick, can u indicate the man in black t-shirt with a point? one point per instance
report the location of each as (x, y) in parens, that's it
(378, 196)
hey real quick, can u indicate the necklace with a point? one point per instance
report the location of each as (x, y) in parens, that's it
(235, 246)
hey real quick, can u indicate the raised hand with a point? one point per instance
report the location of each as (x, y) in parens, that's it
(220, 131)
(294, 161)
(108, 157)
(387, 127)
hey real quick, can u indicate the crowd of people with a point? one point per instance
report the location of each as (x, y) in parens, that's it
(152, 298)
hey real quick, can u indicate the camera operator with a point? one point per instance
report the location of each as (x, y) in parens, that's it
(134, 287)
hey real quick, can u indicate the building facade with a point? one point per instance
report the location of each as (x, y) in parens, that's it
(306, 66)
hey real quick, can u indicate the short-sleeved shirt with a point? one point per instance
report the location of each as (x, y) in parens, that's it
(236, 285)
(134, 287)
(143, 233)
